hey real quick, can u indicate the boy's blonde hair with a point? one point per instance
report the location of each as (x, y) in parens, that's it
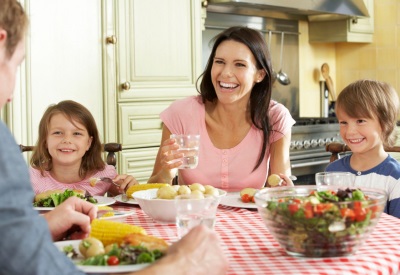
(372, 99)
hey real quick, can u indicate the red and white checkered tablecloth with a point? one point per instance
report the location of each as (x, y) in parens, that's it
(250, 249)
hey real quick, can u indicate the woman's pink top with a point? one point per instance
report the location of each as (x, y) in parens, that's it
(228, 169)
(41, 183)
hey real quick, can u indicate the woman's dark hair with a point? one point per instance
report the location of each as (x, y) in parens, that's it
(261, 94)
(74, 112)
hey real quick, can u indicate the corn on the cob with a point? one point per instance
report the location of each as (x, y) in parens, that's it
(113, 232)
(144, 186)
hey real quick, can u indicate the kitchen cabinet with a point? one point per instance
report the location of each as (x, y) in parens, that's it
(152, 57)
(350, 30)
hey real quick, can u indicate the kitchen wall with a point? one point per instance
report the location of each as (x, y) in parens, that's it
(352, 61)
(379, 60)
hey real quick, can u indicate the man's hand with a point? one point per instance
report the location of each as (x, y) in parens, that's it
(72, 216)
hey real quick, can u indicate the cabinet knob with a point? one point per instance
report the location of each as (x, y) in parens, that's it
(126, 86)
(204, 4)
(111, 39)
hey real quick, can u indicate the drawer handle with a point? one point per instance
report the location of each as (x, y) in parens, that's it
(126, 86)
(111, 39)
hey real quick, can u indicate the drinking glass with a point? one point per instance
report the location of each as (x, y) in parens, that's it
(192, 211)
(189, 146)
(345, 179)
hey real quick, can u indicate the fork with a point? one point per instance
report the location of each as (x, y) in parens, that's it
(124, 197)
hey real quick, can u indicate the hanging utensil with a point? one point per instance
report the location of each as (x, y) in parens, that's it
(282, 77)
(328, 79)
(270, 54)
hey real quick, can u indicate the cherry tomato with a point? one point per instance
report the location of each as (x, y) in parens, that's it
(308, 210)
(293, 208)
(246, 198)
(348, 213)
(360, 214)
(322, 207)
(113, 260)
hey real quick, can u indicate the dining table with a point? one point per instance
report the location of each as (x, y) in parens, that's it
(251, 249)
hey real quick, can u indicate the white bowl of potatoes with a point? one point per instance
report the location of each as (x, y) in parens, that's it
(159, 203)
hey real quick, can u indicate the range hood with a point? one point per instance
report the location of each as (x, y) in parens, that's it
(311, 10)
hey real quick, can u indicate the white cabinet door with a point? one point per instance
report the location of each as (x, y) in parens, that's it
(157, 48)
(156, 60)
(138, 162)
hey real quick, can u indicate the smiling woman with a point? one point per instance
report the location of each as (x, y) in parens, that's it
(244, 134)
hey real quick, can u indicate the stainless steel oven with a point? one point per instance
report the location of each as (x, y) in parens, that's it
(307, 149)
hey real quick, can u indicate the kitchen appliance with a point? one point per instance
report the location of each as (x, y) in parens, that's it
(311, 10)
(307, 148)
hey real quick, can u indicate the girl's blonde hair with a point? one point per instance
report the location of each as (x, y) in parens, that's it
(372, 99)
(74, 112)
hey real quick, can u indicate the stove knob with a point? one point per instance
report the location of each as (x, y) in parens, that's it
(321, 142)
(306, 144)
(292, 145)
(299, 145)
(314, 143)
(328, 140)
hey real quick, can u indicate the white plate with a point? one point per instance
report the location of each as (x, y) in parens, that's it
(95, 268)
(120, 217)
(130, 200)
(101, 201)
(233, 199)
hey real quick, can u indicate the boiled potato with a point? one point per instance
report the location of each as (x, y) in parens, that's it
(274, 180)
(197, 186)
(249, 191)
(166, 192)
(211, 190)
(90, 247)
(197, 194)
(184, 190)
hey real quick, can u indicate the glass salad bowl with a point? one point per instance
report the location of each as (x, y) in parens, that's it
(323, 221)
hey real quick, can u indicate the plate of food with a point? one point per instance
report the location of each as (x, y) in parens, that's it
(71, 249)
(113, 253)
(48, 200)
(234, 199)
(108, 213)
(129, 201)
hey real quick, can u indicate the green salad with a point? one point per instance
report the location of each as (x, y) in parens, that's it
(324, 223)
(57, 198)
(118, 255)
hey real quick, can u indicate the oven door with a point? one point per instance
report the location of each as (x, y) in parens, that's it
(305, 165)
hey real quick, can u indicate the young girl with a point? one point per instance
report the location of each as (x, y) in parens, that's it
(68, 153)
(367, 112)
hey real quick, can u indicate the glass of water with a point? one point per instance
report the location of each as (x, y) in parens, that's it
(189, 146)
(192, 211)
(345, 179)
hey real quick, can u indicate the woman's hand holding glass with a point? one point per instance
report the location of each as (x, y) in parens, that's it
(170, 159)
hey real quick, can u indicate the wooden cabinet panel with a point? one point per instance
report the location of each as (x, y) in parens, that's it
(138, 162)
(156, 46)
(140, 124)
(156, 59)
